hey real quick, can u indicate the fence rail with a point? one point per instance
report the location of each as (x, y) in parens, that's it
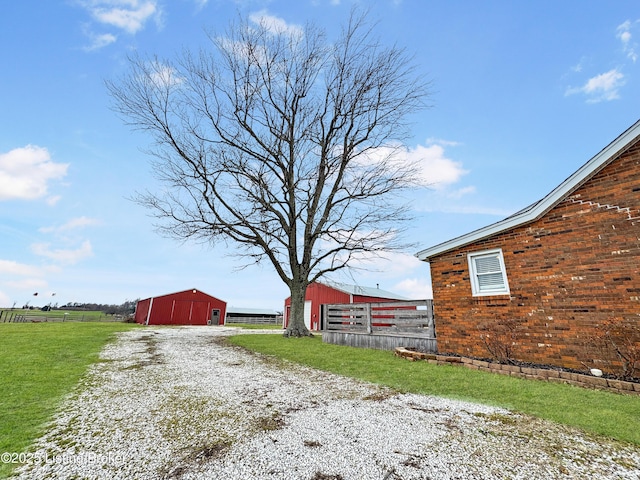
(8, 316)
(254, 320)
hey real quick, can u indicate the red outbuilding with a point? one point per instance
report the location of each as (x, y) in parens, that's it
(320, 294)
(190, 307)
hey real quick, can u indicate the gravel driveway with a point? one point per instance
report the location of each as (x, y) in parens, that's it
(176, 403)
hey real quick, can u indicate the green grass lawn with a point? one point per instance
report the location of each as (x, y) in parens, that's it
(42, 362)
(39, 364)
(603, 413)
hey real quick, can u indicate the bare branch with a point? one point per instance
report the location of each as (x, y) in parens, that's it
(281, 142)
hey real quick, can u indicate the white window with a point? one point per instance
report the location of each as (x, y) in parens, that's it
(488, 274)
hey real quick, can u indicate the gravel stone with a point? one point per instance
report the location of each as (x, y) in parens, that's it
(176, 403)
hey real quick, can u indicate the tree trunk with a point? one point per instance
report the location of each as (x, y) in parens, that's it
(296, 326)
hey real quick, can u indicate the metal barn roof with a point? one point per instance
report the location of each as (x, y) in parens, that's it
(364, 291)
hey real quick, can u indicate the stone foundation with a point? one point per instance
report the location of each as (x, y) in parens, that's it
(580, 380)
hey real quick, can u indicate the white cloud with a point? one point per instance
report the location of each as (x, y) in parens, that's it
(386, 270)
(74, 223)
(63, 256)
(442, 142)
(12, 268)
(275, 25)
(99, 41)
(606, 86)
(5, 300)
(25, 173)
(31, 284)
(21, 276)
(392, 264)
(414, 288)
(584, 63)
(436, 170)
(603, 87)
(442, 175)
(625, 36)
(53, 200)
(623, 32)
(375, 266)
(461, 192)
(164, 76)
(127, 15)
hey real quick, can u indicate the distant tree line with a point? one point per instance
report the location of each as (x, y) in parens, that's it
(126, 308)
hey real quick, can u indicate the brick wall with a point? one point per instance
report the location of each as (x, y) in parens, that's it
(568, 271)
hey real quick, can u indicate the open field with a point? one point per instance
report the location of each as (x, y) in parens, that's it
(597, 412)
(39, 364)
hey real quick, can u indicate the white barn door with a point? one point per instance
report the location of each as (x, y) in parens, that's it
(307, 313)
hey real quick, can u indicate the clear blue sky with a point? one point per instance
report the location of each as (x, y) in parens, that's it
(523, 93)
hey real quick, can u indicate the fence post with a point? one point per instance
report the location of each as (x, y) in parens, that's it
(369, 315)
(432, 321)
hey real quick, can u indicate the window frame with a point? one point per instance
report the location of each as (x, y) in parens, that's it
(476, 289)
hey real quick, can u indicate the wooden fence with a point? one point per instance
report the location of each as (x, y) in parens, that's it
(8, 316)
(254, 320)
(381, 325)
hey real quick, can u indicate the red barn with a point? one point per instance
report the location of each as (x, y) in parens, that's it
(190, 307)
(319, 294)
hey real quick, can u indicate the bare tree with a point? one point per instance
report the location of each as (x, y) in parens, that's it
(281, 142)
